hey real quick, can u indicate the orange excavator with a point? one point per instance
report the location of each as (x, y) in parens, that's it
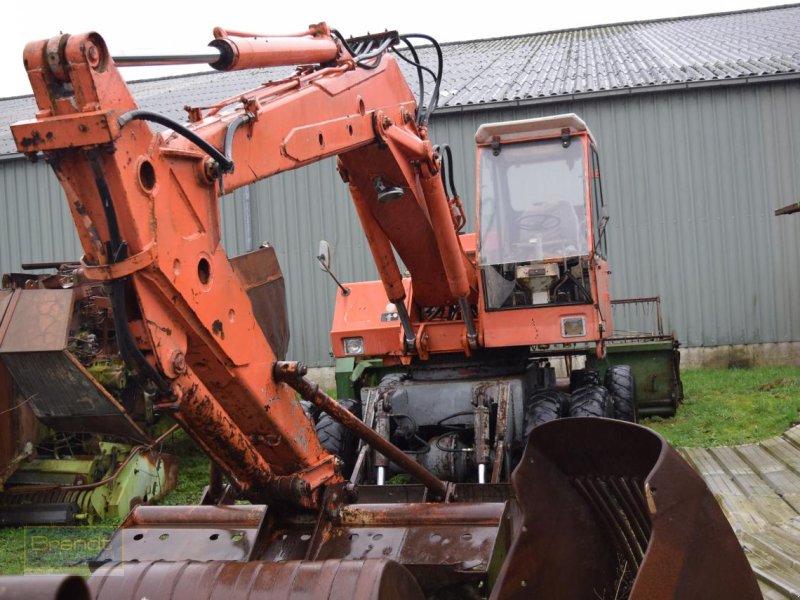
(488, 503)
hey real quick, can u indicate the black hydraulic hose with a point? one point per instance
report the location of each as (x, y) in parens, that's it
(127, 345)
(115, 245)
(340, 37)
(225, 165)
(434, 101)
(452, 181)
(118, 251)
(419, 67)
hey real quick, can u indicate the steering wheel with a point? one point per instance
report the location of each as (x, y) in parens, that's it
(538, 222)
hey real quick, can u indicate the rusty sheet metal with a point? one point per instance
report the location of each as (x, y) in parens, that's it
(370, 579)
(446, 547)
(17, 426)
(606, 496)
(36, 321)
(260, 274)
(174, 533)
(65, 397)
(43, 587)
(59, 390)
(758, 487)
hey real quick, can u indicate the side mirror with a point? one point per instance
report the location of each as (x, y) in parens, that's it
(324, 258)
(324, 255)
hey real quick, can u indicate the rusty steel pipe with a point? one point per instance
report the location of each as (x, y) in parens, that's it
(239, 515)
(43, 587)
(333, 579)
(292, 373)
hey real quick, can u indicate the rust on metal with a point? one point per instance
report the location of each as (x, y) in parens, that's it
(44, 587)
(633, 519)
(187, 533)
(34, 347)
(262, 278)
(500, 434)
(126, 267)
(447, 547)
(87, 129)
(38, 321)
(370, 579)
(17, 426)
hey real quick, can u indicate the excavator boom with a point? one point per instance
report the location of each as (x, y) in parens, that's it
(146, 208)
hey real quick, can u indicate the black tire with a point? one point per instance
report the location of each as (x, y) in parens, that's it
(580, 378)
(310, 409)
(337, 439)
(544, 406)
(393, 379)
(620, 382)
(591, 401)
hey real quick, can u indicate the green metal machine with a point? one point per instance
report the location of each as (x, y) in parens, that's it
(77, 433)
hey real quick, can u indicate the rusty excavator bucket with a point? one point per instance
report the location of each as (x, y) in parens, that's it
(610, 510)
(597, 509)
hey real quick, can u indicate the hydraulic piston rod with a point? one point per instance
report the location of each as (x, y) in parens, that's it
(293, 373)
(161, 60)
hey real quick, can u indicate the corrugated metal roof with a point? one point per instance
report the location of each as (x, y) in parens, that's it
(627, 55)
(599, 59)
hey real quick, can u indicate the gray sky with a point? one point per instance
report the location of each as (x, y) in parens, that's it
(149, 26)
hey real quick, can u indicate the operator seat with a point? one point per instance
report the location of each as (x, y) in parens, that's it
(556, 224)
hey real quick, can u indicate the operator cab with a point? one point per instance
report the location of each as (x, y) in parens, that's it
(537, 180)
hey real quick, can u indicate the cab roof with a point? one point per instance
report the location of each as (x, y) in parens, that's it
(511, 131)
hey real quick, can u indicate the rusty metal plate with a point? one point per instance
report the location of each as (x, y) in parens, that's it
(34, 334)
(18, 426)
(187, 533)
(69, 131)
(260, 274)
(36, 321)
(440, 544)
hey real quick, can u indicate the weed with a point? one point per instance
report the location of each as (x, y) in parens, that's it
(726, 407)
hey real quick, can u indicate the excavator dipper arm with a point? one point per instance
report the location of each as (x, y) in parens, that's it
(146, 208)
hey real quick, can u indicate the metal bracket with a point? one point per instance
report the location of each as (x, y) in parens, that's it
(126, 267)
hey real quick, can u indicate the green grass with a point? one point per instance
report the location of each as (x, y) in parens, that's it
(192, 477)
(725, 407)
(193, 469)
(12, 545)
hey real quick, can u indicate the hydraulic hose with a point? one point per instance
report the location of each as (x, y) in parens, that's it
(118, 251)
(225, 165)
